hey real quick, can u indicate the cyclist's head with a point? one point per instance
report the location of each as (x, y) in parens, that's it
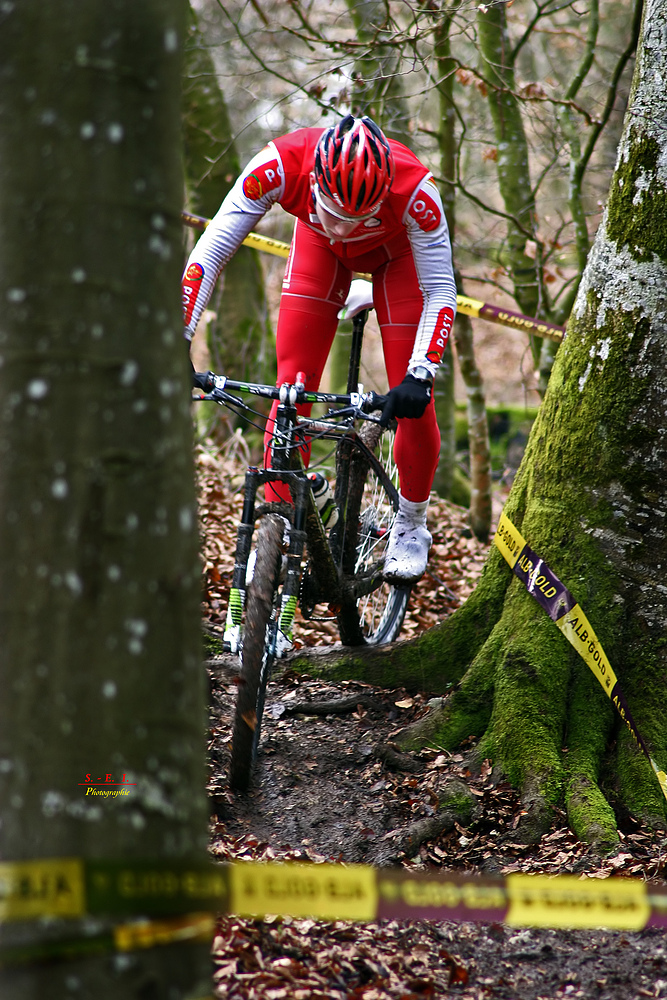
(354, 166)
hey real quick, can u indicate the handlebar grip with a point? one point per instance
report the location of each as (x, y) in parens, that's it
(203, 380)
(376, 402)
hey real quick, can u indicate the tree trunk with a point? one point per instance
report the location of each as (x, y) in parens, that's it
(589, 499)
(497, 64)
(378, 85)
(240, 339)
(100, 664)
(478, 429)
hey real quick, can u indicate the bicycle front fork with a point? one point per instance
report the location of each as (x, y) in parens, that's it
(299, 487)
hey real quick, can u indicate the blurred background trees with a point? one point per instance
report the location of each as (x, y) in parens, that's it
(516, 108)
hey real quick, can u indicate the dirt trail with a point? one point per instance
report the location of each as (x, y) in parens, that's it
(326, 790)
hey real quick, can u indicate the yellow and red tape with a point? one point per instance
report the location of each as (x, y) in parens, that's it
(177, 901)
(543, 584)
(465, 305)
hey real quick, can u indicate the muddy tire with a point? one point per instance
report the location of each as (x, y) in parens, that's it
(375, 617)
(257, 656)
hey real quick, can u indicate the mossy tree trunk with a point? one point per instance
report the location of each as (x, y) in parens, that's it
(378, 84)
(497, 66)
(479, 501)
(590, 500)
(100, 661)
(240, 339)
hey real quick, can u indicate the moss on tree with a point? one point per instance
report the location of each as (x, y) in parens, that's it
(589, 498)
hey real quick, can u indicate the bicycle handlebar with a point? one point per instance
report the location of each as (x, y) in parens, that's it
(215, 388)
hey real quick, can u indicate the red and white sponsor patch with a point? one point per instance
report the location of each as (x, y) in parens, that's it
(443, 328)
(191, 286)
(261, 180)
(426, 212)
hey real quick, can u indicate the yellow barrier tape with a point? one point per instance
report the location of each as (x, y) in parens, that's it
(468, 306)
(53, 887)
(464, 304)
(509, 540)
(276, 247)
(567, 901)
(149, 933)
(578, 631)
(564, 611)
(326, 892)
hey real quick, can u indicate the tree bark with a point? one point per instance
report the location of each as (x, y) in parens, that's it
(478, 428)
(497, 66)
(100, 664)
(590, 500)
(240, 339)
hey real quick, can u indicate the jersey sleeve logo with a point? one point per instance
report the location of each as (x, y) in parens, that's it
(261, 180)
(194, 273)
(425, 211)
(191, 287)
(443, 328)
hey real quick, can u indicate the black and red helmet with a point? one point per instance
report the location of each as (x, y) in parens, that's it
(354, 165)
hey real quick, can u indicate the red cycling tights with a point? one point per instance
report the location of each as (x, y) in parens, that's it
(315, 287)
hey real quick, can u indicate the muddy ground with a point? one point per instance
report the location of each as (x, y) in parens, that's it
(327, 788)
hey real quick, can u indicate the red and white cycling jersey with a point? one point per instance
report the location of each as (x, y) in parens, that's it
(411, 217)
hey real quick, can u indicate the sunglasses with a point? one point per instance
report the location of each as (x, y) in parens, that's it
(339, 215)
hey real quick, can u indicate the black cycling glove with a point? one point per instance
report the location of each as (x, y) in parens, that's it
(408, 399)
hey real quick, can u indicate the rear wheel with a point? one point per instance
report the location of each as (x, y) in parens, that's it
(258, 651)
(373, 612)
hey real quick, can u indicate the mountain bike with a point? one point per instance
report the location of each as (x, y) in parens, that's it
(343, 564)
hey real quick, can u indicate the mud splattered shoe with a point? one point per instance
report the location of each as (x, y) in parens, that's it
(406, 554)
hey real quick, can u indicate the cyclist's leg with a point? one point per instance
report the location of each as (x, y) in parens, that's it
(314, 289)
(398, 303)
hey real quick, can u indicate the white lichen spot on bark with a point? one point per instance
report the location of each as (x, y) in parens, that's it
(53, 803)
(138, 629)
(87, 130)
(129, 372)
(642, 184)
(59, 488)
(109, 689)
(168, 387)
(115, 132)
(618, 281)
(161, 247)
(16, 295)
(37, 388)
(73, 582)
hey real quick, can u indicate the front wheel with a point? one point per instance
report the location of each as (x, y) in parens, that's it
(258, 651)
(374, 610)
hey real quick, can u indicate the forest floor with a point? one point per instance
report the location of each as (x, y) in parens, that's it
(325, 791)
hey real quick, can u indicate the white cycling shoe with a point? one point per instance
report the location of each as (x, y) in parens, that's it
(406, 554)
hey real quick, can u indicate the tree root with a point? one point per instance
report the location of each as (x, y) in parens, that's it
(457, 805)
(338, 706)
(392, 757)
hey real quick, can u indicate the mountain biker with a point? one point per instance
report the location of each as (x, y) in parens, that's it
(367, 204)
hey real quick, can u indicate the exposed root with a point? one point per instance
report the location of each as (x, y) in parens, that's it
(457, 805)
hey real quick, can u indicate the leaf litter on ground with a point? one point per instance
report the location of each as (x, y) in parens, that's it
(325, 792)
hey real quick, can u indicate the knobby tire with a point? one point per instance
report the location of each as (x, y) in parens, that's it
(372, 494)
(257, 657)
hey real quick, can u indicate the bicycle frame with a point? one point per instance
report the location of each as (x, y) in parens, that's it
(306, 524)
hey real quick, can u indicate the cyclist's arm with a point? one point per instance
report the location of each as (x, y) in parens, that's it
(427, 231)
(258, 188)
